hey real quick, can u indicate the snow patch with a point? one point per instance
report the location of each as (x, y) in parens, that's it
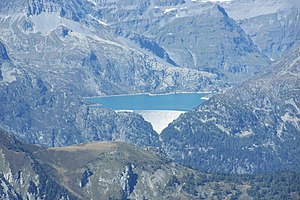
(46, 22)
(246, 133)
(9, 74)
(169, 10)
(223, 129)
(270, 144)
(288, 118)
(93, 2)
(293, 103)
(205, 120)
(280, 130)
(100, 22)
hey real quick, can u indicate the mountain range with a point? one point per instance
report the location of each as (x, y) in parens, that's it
(55, 53)
(45, 115)
(242, 143)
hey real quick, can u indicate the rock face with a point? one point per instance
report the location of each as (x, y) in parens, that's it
(115, 170)
(110, 171)
(23, 177)
(107, 125)
(53, 53)
(69, 48)
(274, 26)
(42, 114)
(194, 34)
(252, 128)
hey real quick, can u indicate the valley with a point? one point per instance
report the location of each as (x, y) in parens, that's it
(149, 99)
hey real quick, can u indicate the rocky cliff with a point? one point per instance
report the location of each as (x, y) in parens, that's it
(195, 34)
(42, 114)
(69, 48)
(274, 26)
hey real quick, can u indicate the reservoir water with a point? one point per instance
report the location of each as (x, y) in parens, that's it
(176, 102)
(159, 110)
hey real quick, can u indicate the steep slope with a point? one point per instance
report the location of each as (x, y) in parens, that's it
(274, 25)
(53, 53)
(252, 128)
(194, 34)
(23, 177)
(42, 114)
(111, 171)
(114, 170)
(66, 46)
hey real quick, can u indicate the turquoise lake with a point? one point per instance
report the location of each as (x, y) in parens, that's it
(179, 102)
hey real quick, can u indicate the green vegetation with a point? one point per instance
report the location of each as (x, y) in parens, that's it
(283, 185)
(116, 170)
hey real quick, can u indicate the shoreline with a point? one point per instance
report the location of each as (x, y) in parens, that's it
(149, 94)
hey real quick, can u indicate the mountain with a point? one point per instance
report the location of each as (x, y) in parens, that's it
(72, 50)
(194, 34)
(115, 170)
(274, 25)
(252, 128)
(42, 114)
(22, 176)
(46, 69)
(54, 53)
(111, 171)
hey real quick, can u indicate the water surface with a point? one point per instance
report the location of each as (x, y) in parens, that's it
(179, 102)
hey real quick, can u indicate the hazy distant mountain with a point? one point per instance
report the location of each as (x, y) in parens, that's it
(251, 128)
(70, 49)
(114, 170)
(194, 34)
(274, 25)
